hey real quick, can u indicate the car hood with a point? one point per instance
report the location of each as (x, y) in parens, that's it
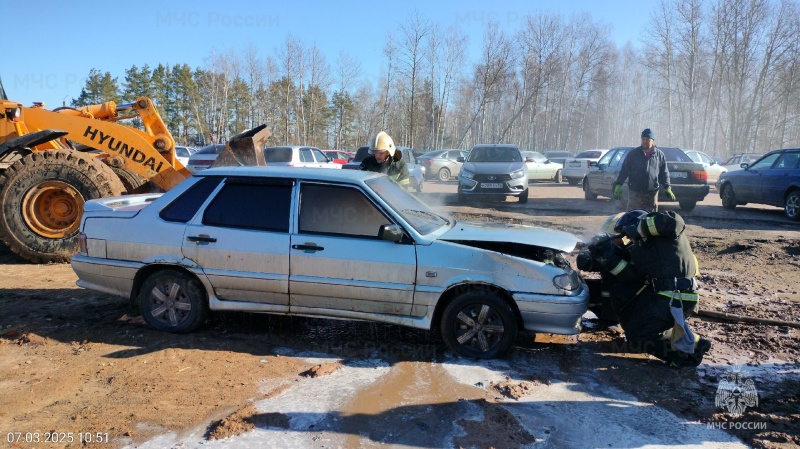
(493, 168)
(464, 232)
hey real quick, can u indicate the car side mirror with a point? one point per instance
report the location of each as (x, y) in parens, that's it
(593, 164)
(460, 159)
(744, 165)
(391, 232)
(529, 159)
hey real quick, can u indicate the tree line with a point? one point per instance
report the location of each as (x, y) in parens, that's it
(720, 76)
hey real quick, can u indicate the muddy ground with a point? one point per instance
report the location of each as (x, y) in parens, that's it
(82, 366)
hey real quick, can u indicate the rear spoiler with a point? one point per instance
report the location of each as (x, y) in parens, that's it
(121, 203)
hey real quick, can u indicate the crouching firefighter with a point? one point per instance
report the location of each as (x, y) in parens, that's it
(387, 159)
(652, 285)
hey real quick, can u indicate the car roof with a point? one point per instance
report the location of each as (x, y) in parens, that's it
(292, 172)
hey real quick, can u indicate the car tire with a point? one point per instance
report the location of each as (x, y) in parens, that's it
(444, 174)
(479, 325)
(587, 194)
(523, 197)
(573, 181)
(688, 206)
(172, 301)
(558, 178)
(728, 197)
(792, 206)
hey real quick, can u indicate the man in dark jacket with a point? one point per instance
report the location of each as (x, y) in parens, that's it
(645, 168)
(649, 278)
(386, 158)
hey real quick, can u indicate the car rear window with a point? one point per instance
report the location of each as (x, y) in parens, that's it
(361, 154)
(589, 154)
(184, 207)
(245, 205)
(675, 154)
(277, 154)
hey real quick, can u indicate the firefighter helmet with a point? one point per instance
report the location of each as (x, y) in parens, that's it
(382, 142)
(629, 218)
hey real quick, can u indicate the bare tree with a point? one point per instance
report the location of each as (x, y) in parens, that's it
(413, 32)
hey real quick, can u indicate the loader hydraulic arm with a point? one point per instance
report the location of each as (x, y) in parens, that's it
(149, 153)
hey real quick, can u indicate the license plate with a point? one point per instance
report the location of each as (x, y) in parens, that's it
(677, 174)
(575, 164)
(491, 185)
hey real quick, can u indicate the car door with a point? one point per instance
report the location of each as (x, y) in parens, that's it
(322, 160)
(337, 260)
(307, 158)
(241, 241)
(749, 185)
(535, 167)
(609, 173)
(777, 178)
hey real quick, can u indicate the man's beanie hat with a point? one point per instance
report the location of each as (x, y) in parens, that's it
(649, 134)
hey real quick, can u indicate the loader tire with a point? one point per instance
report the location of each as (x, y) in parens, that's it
(130, 180)
(41, 202)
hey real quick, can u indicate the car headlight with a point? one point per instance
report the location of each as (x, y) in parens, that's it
(518, 174)
(568, 281)
(467, 174)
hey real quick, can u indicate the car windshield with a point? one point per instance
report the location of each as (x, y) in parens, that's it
(537, 157)
(494, 154)
(416, 213)
(589, 154)
(277, 154)
(675, 154)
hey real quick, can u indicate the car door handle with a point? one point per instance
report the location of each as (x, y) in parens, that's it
(205, 238)
(308, 247)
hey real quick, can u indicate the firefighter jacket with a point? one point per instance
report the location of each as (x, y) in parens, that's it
(644, 173)
(396, 169)
(661, 261)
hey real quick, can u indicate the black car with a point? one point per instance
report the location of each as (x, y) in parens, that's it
(689, 179)
(774, 180)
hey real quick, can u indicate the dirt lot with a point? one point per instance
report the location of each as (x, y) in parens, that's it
(83, 365)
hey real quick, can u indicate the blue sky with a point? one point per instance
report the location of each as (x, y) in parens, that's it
(59, 42)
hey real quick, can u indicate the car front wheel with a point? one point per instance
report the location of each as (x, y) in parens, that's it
(444, 174)
(792, 206)
(728, 197)
(587, 194)
(523, 198)
(479, 325)
(558, 178)
(173, 301)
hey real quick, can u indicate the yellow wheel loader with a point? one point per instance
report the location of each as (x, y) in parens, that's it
(52, 162)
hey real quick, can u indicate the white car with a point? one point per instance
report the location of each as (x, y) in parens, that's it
(541, 168)
(345, 244)
(183, 153)
(298, 156)
(575, 168)
(712, 167)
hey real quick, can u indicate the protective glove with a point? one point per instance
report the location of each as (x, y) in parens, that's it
(618, 192)
(669, 193)
(632, 232)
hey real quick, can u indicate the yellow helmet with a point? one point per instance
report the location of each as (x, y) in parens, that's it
(382, 142)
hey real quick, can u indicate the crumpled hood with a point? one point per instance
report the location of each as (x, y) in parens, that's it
(511, 233)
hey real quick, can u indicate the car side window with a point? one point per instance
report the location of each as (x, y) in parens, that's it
(606, 157)
(319, 155)
(764, 163)
(184, 207)
(337, 210)
(306, 155)
(617, 158)
(249, 204)
(788, 161)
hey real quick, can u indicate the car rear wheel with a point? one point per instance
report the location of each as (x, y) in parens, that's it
(173, 301)
(587, 194)
(479, 325)
(728, 197)
(523, 198)
(687, 205)
(444, 174)
(792, 206)
(557, 178)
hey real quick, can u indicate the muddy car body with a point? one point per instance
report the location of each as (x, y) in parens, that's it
(357, 246)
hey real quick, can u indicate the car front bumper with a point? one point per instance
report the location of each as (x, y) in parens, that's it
(553, 314)
(514, 187)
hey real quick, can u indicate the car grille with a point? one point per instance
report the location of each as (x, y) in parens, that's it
(492, 178)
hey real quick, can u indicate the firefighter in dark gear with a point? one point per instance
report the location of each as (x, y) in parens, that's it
(387, 159)
(652, 286)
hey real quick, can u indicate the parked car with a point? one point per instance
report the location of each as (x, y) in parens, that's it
(575, 168)
(774, 180)
(442, 164)
(540, 168)
(493, 171)
(689, 179)
(735, 162)
(389, 258)
(204, 157)
(558, 156)
(297, 156)
(183, 153)
(416, 173)
(338, 156)
(712, 167)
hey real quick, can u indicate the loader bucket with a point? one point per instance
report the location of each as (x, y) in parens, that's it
(244, 149)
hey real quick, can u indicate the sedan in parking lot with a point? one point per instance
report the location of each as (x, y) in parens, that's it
(774, 180)
(689, 179)
(558, 156)
(442, 164)
(493, 171)
(540, 168)
(575, 168)
(204, 157)
(712, 167)
(297, 156)
(339, 157)
(327, 243)
(183, 153)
